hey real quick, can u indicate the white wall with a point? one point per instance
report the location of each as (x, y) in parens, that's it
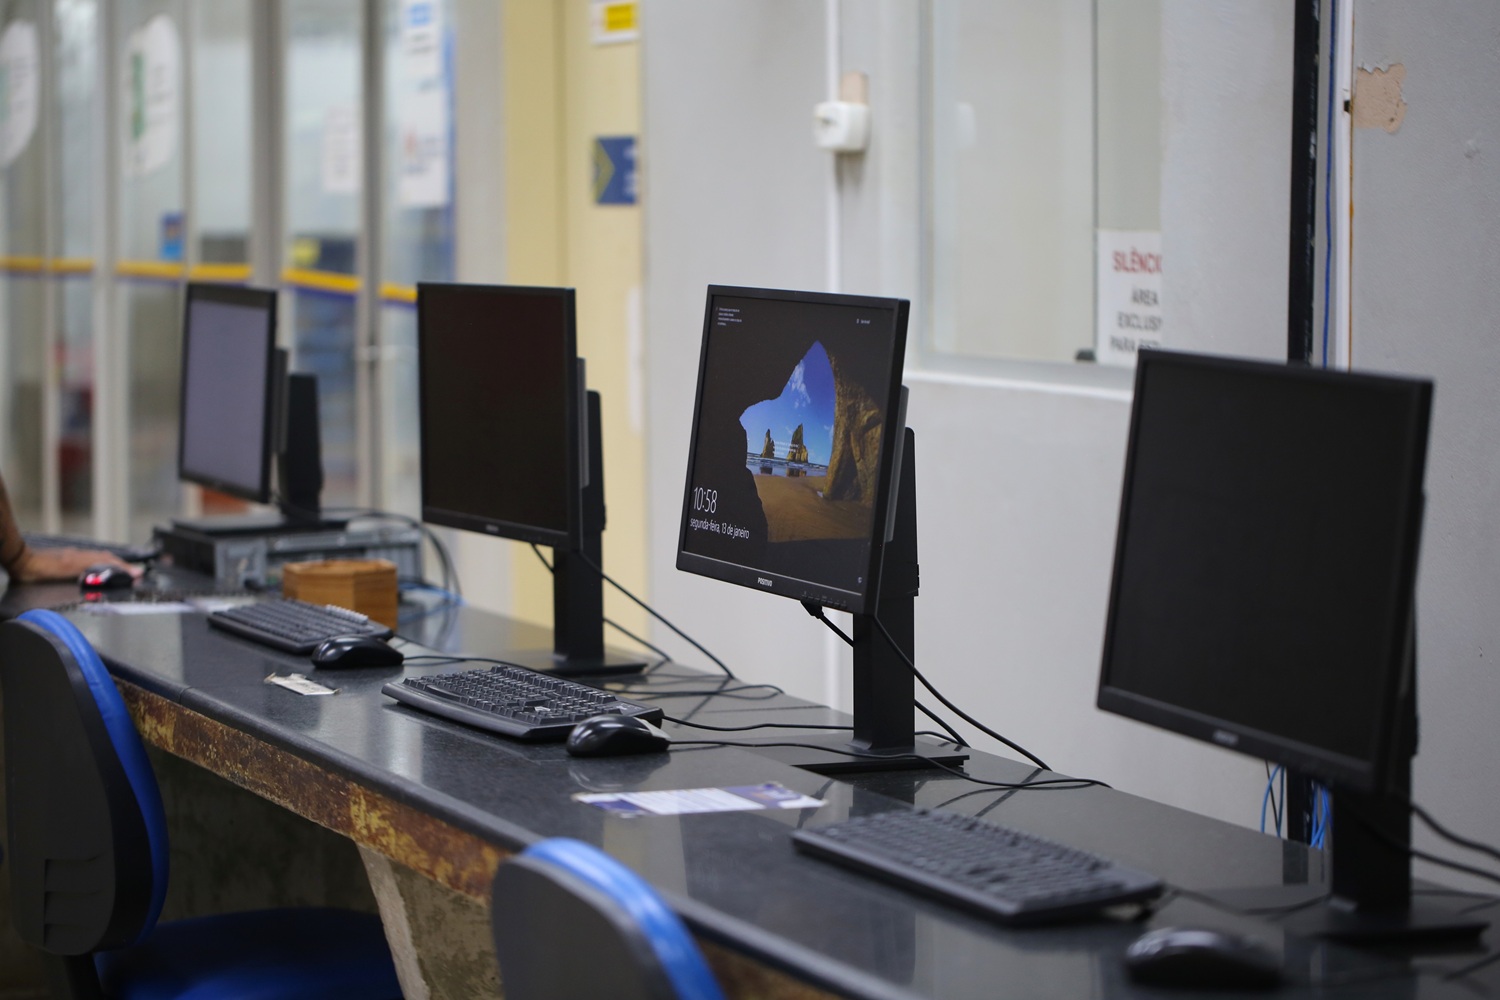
(1426, 252)
(734, 193)
(1018, 477)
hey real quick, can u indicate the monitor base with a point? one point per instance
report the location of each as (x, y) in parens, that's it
(612, 661)
(1424, 921)
(831, 754)
(1308, 910)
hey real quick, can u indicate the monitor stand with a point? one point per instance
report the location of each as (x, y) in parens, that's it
(578, 587)
(299, 471)
(1369, 899)
(884, 688)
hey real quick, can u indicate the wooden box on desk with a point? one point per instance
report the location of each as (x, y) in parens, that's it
(364, 585)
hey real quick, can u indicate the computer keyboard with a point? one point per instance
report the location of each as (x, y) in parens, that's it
(1000, 873)
(129, 553)
(513, 701)
(294, 626)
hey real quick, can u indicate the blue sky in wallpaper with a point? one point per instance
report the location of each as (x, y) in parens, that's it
(808, 399)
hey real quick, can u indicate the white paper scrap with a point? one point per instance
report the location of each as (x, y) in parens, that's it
(675, 802)
(300, 684)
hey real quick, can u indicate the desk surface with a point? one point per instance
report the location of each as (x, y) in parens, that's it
(458, 800)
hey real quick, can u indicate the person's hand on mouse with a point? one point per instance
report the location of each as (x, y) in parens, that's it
(40, 565)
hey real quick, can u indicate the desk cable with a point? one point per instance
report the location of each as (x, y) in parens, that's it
(648, 609)
(817, 612)
(952, 734)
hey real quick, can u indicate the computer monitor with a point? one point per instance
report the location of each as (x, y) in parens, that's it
(228, 390)
(241, 412)
(510, 443)
(801, 483)
(1263, 594)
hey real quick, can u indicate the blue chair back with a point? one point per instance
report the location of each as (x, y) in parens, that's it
(559, 891)
(87, 833)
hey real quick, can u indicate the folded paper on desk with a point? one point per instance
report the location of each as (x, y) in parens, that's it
(676, 802)
(300, 683)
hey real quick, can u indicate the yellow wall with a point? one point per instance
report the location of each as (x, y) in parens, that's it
(561, 92)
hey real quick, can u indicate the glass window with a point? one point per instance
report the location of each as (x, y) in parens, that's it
(1043, 157)
(150, 122)
(324, 178)
(1012, 178)
(23, 251)
(222, 158)
(77, 150)
(417, 223)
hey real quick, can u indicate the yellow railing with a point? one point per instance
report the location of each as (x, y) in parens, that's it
(157, 270)
(227, 273)
(391, 293)
(14, 264)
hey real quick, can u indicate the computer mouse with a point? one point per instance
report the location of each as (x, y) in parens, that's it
(1197, 958)
(106, 576)
(613, 735)
(343, 651)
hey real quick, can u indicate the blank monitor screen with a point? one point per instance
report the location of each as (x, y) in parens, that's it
(229, 336)
(499, 411)
(794, 437)
(1265, 561)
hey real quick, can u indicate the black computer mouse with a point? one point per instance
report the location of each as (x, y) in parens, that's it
(106, 576)
(613, 735)
(343, 651)
(1196, 958)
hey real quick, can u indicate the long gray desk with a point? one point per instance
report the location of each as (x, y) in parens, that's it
(451, 803)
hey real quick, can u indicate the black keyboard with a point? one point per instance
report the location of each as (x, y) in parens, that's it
(294, 626)
(998, 872)
(129, 553)
(513, 701)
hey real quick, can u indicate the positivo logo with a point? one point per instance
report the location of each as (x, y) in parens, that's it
(1226, 739)
(763, 581)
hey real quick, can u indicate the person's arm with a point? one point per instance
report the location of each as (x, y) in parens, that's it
(27, 565)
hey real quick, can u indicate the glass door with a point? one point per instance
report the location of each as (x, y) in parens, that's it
(23, 258)
(325, 177)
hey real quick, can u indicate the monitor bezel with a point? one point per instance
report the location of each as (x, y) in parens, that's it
(1397, 669)
(244, 296)
(779, 584)
(570, 538)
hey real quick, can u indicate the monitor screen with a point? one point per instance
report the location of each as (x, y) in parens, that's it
(794, 441)
(499, 411)
(228, 392)
(1266, 558)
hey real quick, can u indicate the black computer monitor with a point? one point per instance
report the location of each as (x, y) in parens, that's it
(799, 455)
(510, 442)
(242, 412)
(1263, 592)
(228, 403)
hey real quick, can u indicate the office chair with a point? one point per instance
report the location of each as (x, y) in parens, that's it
(560, 892)
(88, 855)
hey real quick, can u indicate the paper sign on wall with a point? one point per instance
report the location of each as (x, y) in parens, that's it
(614, 21)
(423, 152)
(18, 89)
(152, 88)
(614, 170)
(1128, 302)
(342, 150)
